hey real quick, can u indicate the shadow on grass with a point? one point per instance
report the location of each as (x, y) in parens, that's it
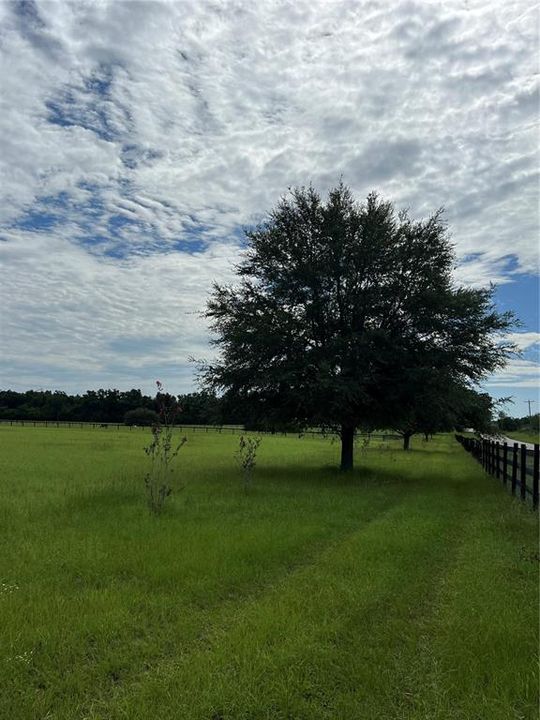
(411, 471)
(330, 476)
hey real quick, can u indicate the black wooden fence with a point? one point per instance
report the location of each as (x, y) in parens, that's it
(234, 429)
(513, 464)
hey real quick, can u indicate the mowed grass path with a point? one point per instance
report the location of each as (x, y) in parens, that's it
(408, 589)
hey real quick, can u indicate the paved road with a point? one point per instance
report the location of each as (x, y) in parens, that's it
(510, 441)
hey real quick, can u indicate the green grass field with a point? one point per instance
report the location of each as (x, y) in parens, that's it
(408, 589)
(528, 437)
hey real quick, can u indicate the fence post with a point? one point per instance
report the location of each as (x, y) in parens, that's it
(523, 472)
(536, 472)
(505, 461)
(514, 468)
(497, 466)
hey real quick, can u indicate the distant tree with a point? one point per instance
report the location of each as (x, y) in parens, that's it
(475, 410)
(429, 401)
(141, 416)
(200, 408)
(334, 297)
(527, 423)
(421, 400)
(94, 406)
(506, 423)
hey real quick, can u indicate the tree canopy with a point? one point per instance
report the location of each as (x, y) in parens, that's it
(342, 312)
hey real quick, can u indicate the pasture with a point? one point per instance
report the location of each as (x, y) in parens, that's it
(405, 590)
(524, 436)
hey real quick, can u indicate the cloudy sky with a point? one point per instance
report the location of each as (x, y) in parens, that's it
(137, 139)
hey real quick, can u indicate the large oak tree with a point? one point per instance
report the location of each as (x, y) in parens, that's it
(338, 305)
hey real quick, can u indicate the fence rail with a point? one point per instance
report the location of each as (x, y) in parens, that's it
(234, 429)
(512, 463)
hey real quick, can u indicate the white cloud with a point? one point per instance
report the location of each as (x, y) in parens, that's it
(518, 373)
(525, 340)
(70, 315)
(522, 372)
(142, 129)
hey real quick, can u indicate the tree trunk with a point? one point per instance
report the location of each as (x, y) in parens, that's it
(347, 447)
(406, 440)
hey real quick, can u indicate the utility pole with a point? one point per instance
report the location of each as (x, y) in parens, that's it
(529, 404)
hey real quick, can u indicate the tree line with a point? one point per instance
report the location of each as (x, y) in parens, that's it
(107, 406)
(527, 423)
(205, 408)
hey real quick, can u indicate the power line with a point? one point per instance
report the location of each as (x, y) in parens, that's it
(529, 404)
